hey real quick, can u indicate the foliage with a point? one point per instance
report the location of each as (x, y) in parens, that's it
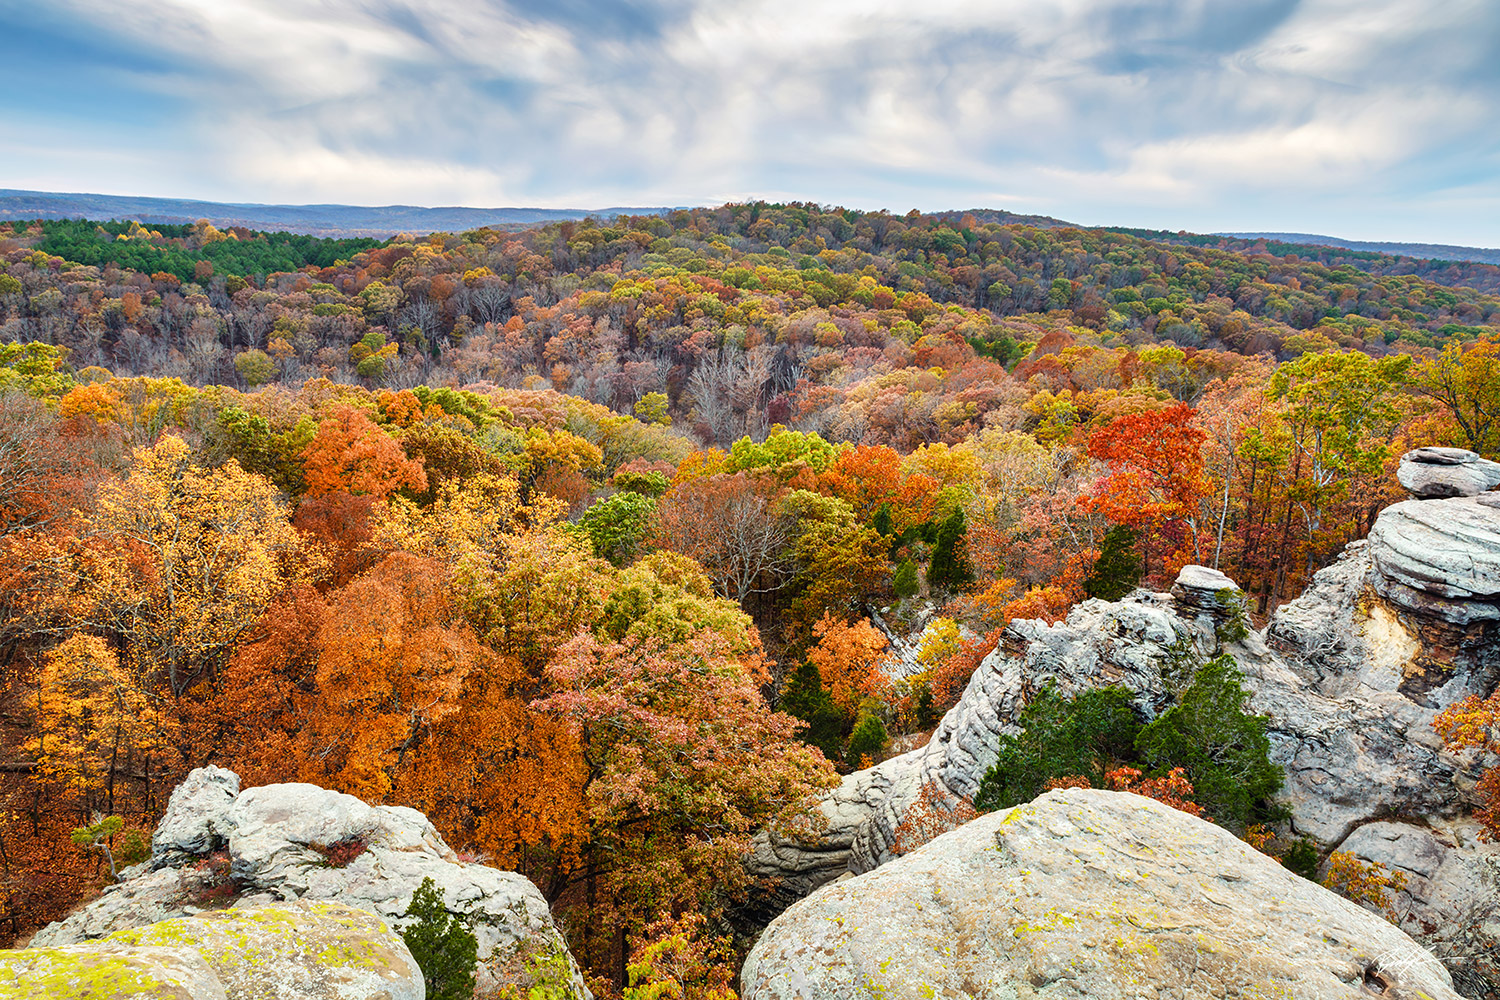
(867, 742)
(1369, 884)
(1117, 571)
(904, 582)
(679, 960)
(617, 525)
(1474, 723)
(1059, 737)
(1223, 749)
(1302, 859)
(444, 947)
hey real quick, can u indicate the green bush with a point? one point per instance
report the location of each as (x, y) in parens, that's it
(1223, 749)
(867, 740)
(1302, 859)
(1059, 738)
(904, 583)
(805, 698)
(443, 945)
(1117, 571)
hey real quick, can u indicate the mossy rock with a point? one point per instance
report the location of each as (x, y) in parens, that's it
(284, 951)
(105, 972)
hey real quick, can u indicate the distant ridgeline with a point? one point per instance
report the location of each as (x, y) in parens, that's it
(178, 250)
(1474, 267)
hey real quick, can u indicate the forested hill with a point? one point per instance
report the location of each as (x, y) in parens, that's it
(1480, 269)
(531, 530)
(316, 220)
(1420, 251)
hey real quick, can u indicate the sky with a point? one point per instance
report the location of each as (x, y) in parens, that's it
(1365, 119)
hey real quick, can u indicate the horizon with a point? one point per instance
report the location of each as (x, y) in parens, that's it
(1363, 121)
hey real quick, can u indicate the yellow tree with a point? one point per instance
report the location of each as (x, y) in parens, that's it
(180, 561)
(94, 722)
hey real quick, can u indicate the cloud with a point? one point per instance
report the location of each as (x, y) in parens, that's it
(1217, 114)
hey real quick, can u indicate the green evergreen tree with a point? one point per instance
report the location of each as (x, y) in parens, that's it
(1060, 738)
(904, 583)
(881, 522)
(442, 944)
(867, 740)
(1117, 571)
(1224, 749)
(1302, 859)
(949, 568)
(804, 697)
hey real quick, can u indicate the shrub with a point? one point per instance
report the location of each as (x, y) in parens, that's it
(1117, 571)
(443, 946)
(868, 740)
(1223, 749)
(904, 583)
(1059, 738)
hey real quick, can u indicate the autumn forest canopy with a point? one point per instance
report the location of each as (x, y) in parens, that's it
(588, 540)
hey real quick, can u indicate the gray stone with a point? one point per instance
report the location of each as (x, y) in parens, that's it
(1202, 590)
(1446, 472)
(197, 817)
(1440, 558)
(277, 848)
(100, 971)
(1084, 893)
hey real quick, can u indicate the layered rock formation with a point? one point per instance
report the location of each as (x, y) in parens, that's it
(1434, 473)
(284, 951)
(1349, 677)
(217, 844)
(1085, 893)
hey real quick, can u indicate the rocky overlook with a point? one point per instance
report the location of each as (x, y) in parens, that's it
(1350, 676)
(1085, 893)
(218, 846)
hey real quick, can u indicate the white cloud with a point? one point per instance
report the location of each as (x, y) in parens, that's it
(1095, 109)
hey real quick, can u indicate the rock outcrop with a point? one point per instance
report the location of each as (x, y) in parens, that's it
(1085, 893)
(284, 951)
(217, 845)
(1350, 679)
(1440, 559)
(1434, 473)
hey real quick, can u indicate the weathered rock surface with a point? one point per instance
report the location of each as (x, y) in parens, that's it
(1350, 684)
(1432, 473)
(282, 842)
(1085, 893)
(1206, 591)
(1440, 558)
(103, 971)
(285, 951)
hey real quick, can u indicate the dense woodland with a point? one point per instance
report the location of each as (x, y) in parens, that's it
(583, 540)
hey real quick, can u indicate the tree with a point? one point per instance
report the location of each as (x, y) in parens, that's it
(352, 454)
(255, 367)
(183, 560)
(1467, 384)
(1223, 749)
(949, 568)
(867, 742)
(734, 527)
(848, 659)
(806, 698)
(95, 724)
(1155, 476)
(444, 947)
(904, 583)
(1117, 571)
(617, 525)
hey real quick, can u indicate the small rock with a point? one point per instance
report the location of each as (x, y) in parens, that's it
(197, 817)
(1431, 473)
(1203, 590)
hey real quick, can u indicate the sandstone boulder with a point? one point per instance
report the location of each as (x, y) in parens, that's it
(1084, 893)
(1431, 473)
(100, 971)
(302, 842)
(1440, 559)
(287, 951)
